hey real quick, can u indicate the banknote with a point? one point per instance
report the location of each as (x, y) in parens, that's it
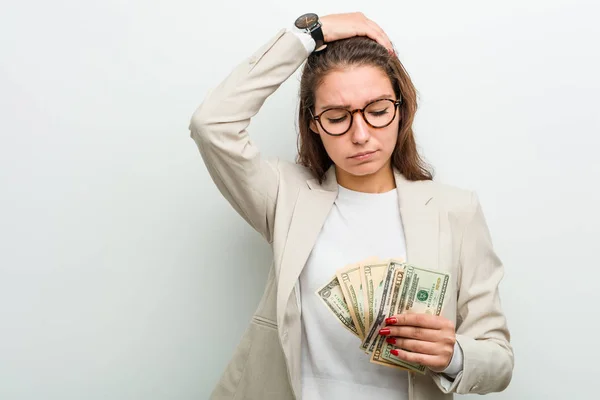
(427, 290)
(332, 296)
(372, 277)
(377, 356)
(391, 280)
(352, 288)
(423, 292)
(377, 294)
(380, 340)
(362, 295)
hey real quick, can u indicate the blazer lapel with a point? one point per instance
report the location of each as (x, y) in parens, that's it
(420, 219)
(312, 208)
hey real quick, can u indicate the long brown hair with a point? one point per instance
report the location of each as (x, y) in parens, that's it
(358, 51)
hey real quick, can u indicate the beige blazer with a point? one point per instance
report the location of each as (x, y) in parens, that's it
(444, 226)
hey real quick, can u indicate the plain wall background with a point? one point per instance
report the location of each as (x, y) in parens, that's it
(125, 275)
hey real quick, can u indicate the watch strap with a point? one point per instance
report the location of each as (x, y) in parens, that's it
(317, 35)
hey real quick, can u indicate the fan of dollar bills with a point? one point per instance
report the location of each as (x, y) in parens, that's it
(362, 295)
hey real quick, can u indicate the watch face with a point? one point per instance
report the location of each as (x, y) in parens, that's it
(306, 21)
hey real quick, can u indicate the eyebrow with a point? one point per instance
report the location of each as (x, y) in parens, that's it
(385, 96)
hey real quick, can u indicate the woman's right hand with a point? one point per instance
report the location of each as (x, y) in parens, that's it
(342, 26)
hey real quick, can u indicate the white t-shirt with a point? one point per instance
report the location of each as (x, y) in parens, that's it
(359, 226)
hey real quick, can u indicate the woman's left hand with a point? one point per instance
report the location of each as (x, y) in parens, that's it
(429, 339)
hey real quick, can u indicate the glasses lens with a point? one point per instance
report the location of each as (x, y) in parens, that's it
(336, 120)
(380, 113)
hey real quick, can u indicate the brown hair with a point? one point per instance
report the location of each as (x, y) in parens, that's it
(358, 51)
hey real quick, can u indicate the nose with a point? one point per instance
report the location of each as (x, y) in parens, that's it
(360, 129)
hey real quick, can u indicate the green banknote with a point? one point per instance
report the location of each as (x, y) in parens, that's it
(331, 294)
(371, 337)
(423, 292)
(351, 284)
(373, 277)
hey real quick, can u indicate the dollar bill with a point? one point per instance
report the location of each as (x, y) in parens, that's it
(381, 346)
(377, 359)
(371, 337)
(332, 296)
(380, 340)
(351, 285)
(423, 292)
(426, 291)
(379, 288)
(372, 276)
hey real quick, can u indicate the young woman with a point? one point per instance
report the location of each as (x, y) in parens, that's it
(358, 189)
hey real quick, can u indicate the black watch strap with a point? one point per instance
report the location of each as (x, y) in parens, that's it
(317, 35)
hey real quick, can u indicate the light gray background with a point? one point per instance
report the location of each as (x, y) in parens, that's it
(125, 275)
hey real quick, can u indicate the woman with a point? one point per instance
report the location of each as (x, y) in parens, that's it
(359, 189)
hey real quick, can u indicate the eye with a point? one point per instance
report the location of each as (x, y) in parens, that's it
(380, 108)
(336, 116)
(379, 113)
(337, 120)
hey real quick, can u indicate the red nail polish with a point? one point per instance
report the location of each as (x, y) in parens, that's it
(384, 331)
(391, 340)
(391, 321)
(395, 352)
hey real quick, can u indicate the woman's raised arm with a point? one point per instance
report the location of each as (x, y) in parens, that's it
(218, 127)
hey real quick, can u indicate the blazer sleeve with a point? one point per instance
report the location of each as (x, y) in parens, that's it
(482, 331)
(248, 182)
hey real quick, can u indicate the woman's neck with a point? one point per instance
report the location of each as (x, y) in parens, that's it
(379, 182)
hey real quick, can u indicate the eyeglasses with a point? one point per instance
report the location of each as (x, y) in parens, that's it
(377, 114)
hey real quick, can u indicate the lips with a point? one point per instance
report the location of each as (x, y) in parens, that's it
(362, 154)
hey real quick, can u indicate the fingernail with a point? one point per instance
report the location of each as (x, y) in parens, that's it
(391, 321)
(384, 331)
(395, 352)
(391, 340)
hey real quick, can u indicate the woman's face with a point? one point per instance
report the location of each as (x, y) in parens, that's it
(363, 150)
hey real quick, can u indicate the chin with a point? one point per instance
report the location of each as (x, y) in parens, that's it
(366, 169)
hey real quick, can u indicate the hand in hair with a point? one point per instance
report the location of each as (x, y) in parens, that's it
(342, 26)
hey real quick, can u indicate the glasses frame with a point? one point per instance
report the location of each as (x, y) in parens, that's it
(352, 112)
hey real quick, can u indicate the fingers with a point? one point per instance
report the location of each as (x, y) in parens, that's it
(370, 29)
(436, 363)
(414, 332)
(382, 38)
(342, 26)
(420, 320)
(415, 346)
(421, 338)
(443, 336)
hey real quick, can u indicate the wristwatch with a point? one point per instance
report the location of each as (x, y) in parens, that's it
(310, 24)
